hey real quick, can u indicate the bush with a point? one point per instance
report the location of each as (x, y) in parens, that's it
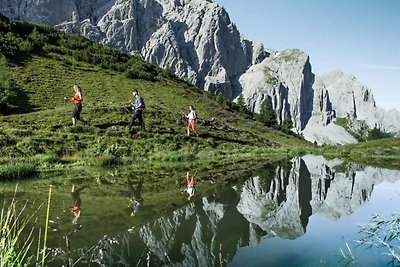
(17, 170)
(376, 133)
(108, 160)
(6, 92)
(220, 98)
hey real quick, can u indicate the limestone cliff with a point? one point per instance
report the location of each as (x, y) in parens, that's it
(275, 203)
(197, 41)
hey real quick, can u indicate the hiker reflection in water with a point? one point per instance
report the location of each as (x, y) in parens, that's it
(136, 199)
(190, 182)
(76, 200)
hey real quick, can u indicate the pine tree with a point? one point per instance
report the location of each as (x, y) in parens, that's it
(267, 114)
(241, 104)
(287, 125)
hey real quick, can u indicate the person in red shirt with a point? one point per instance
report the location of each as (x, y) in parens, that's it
(190, 182)
(76, 199)
(77, 99)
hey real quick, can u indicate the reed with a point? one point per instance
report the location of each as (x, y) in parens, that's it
(14, 250)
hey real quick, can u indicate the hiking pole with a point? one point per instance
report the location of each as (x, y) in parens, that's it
(65, 104)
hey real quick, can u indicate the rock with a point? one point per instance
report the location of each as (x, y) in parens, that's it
(198, 42)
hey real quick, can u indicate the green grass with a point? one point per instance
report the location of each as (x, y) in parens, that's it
(43, 132)
(14, 250)
(47, 129)
(383, 153)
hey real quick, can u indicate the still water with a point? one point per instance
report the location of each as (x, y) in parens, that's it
(305, 212)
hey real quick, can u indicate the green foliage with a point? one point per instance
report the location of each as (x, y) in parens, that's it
(139, 69)
(220, 98)
(267, 114)
(269, 77)
(44, 133)
(18, 40)
(14, 248)
(344, 122)
(287, 125)
(242, 105)
(17, 170)
(108, 161)
(376, 133)
(290, 55)
(6, 93)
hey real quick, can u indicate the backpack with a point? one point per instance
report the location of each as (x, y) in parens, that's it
(143, 104)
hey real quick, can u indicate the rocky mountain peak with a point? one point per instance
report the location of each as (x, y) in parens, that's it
(197, 40)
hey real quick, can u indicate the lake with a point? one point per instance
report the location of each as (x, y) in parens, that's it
(307, 211)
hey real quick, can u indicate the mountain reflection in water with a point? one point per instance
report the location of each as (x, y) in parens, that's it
(301, 213)
(274, 205)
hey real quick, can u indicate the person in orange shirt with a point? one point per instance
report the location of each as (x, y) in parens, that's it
(76, 200)
(77, 99)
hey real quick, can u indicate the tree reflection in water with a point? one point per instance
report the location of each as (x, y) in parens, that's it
(275, 201)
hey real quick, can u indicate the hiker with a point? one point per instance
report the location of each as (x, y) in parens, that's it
(76, 200)
(139, 107)
(191, 116)
(136, 200)
(190, 182)
(77, 99)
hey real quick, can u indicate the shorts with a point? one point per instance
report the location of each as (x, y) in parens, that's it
(191, 124)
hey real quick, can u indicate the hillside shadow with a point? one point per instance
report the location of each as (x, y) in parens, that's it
(225, 139)
(20, 102)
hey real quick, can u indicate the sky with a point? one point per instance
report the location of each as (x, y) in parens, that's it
(359, 37)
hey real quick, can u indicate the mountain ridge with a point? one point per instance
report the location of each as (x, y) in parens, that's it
(199, 43)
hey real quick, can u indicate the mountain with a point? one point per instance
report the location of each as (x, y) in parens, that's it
(258, 206)
(199, 43)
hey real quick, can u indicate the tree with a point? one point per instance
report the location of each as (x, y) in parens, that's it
(376, 133)
(6, 92)
(241, 104)
(267, 114)
(220, 98)
(287, 125)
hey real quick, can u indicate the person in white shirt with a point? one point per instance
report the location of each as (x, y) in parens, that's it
(191, 116)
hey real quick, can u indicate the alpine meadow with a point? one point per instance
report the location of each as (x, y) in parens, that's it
(43, 155)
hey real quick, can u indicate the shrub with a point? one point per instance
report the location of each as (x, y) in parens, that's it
(6, 92)
(108, 160)
(17, 170)
(376, 133)
(269, 77)
(220, 98)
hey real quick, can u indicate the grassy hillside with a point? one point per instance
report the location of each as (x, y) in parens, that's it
(383, 153)
(39, 135)
(40, 66)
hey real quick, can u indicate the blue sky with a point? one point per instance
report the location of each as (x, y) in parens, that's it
(359, 37)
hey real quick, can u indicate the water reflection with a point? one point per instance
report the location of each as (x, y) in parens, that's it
(76, 202)
(136, 200)
(275, 203)
(190, 186)
(271, 202)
